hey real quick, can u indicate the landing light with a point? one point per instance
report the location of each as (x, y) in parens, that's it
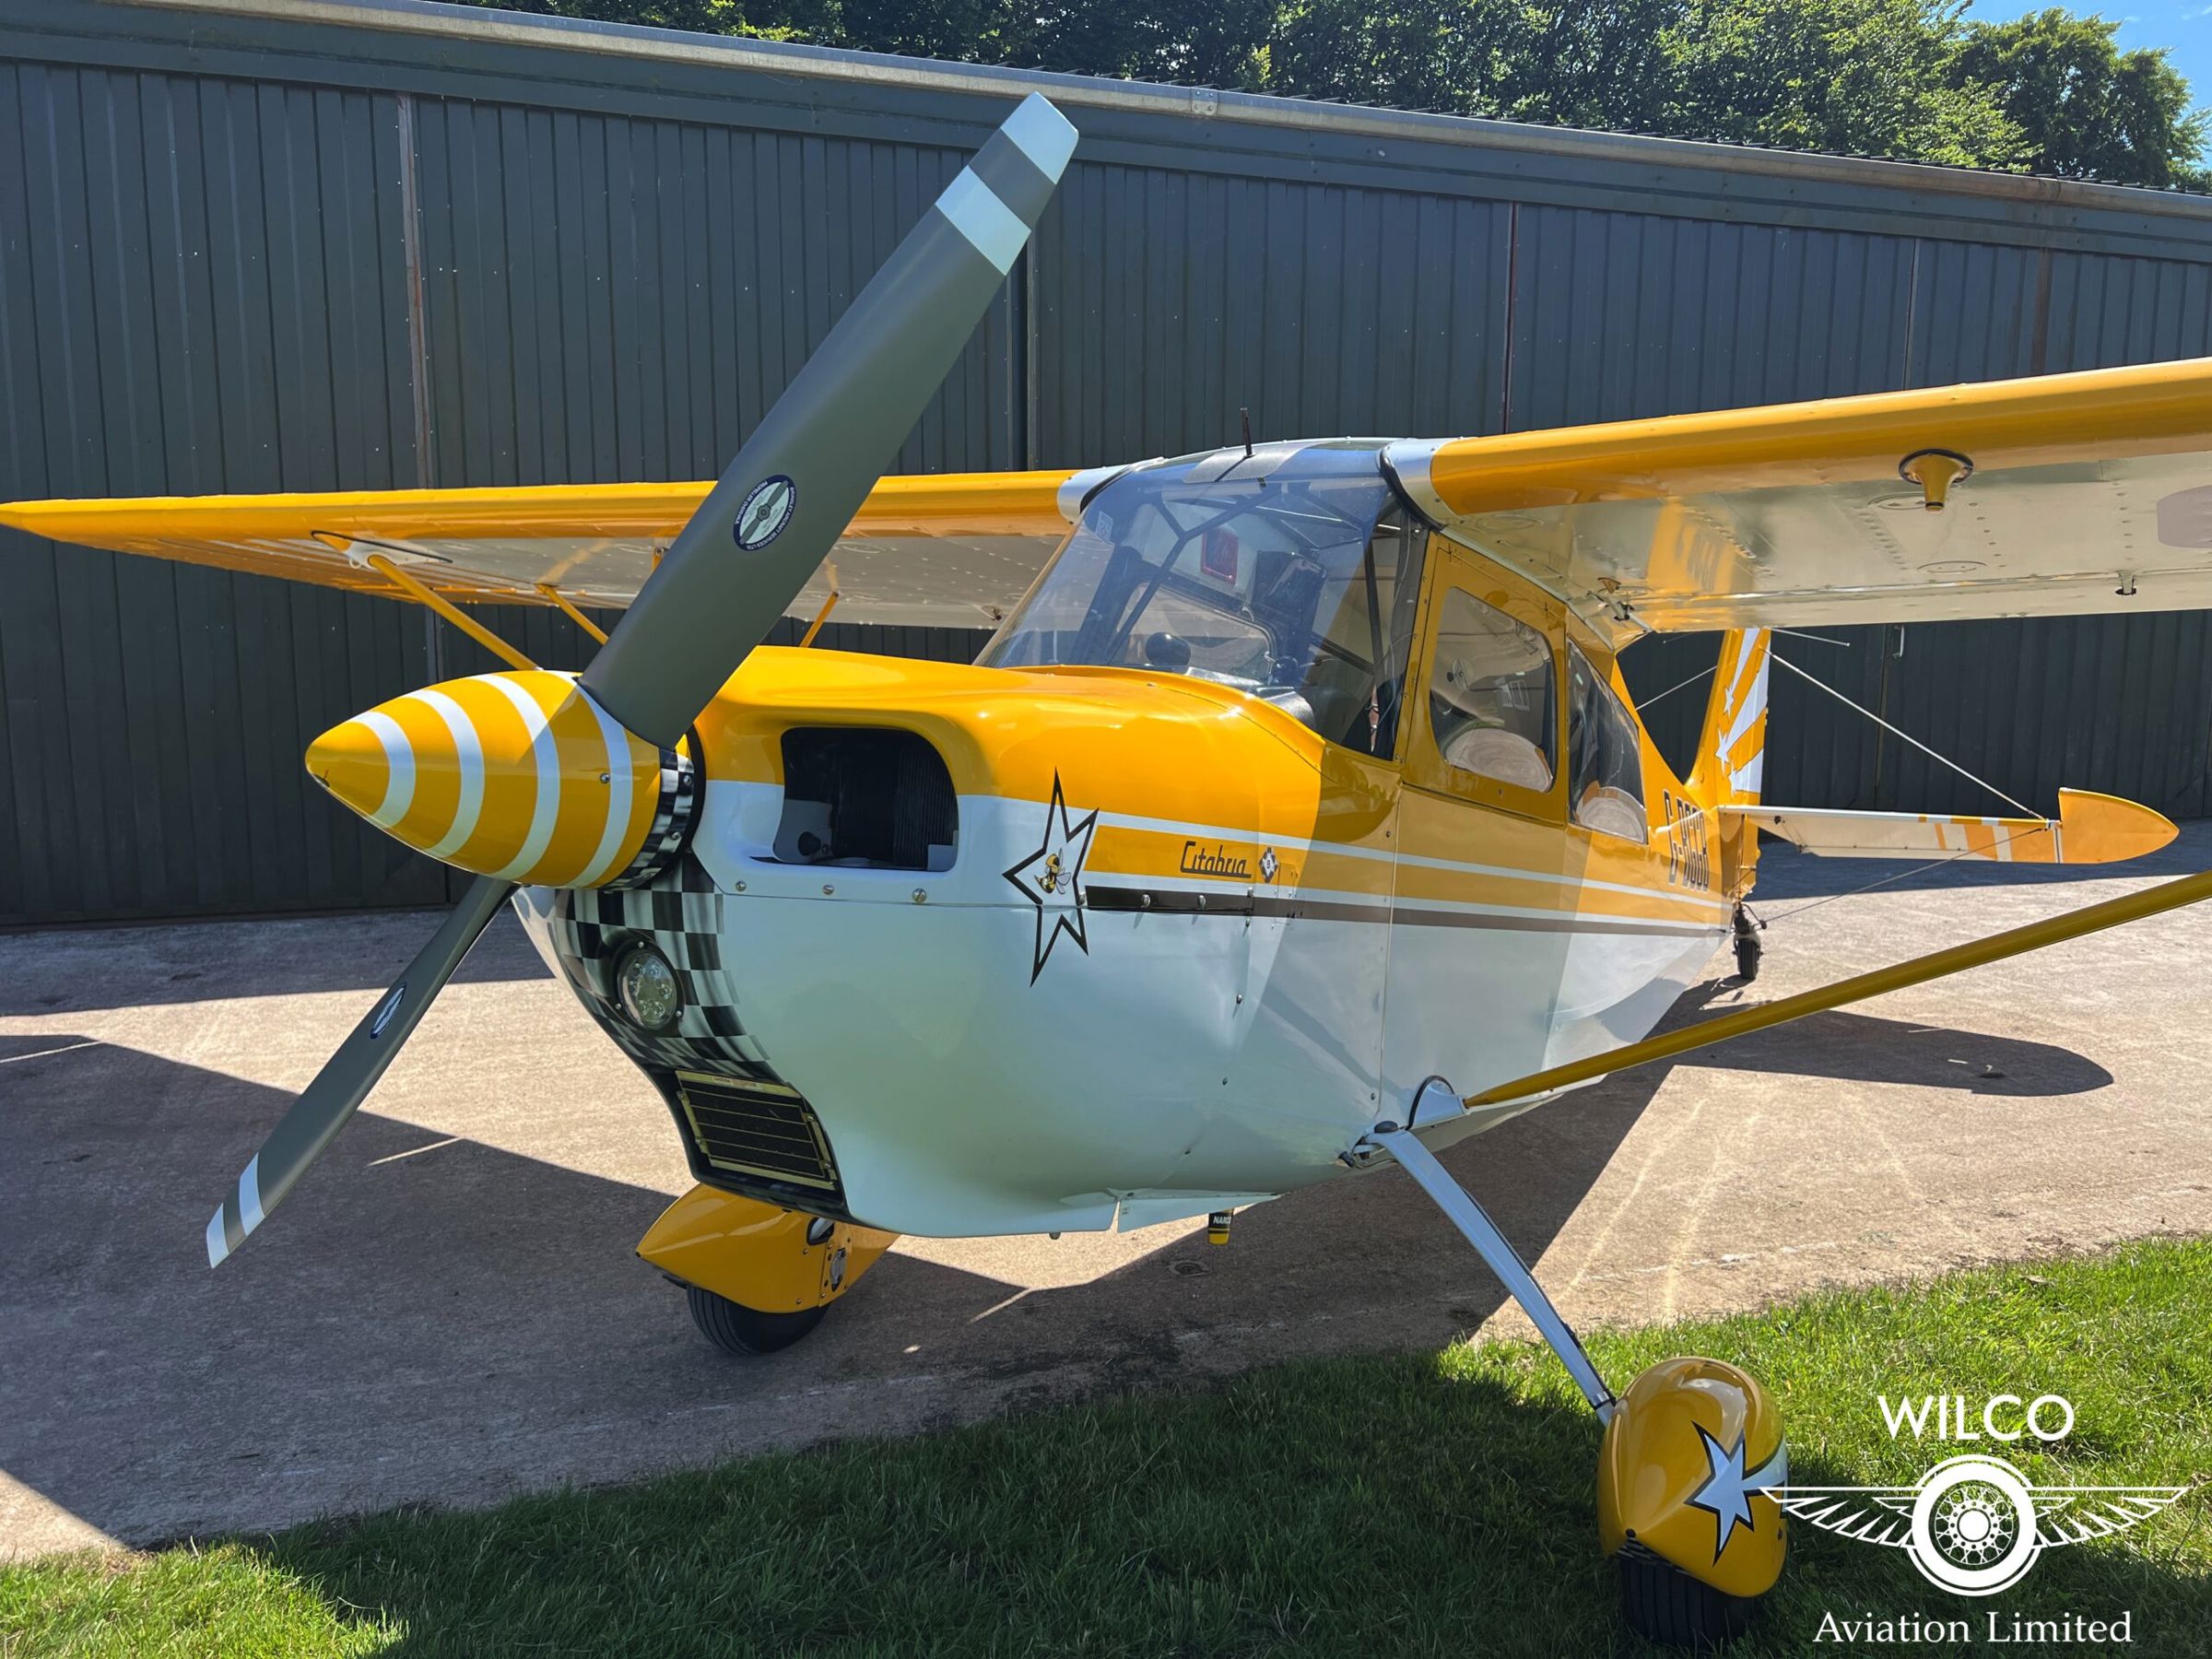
(647, 985)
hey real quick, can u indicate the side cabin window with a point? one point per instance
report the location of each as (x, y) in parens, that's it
(1490, 703)
(1604, 755)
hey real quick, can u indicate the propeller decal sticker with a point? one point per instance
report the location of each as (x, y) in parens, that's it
(768, 507)
(1052, 880)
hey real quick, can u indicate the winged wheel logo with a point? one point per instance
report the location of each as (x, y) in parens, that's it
(1973, 1525)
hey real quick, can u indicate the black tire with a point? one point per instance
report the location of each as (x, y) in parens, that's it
(737, 1329)
(1749, 947)
(1748, 951)
(1665, 1604)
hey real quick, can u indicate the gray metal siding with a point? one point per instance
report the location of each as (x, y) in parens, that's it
(613, 299)
(1166, 302)
(197, 293)
(1618, 315)
(250, 253)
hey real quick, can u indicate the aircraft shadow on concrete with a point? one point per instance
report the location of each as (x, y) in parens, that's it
(62, 971)
(432, 1318)
(1868, 1048)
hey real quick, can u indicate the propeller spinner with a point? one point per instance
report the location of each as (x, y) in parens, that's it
(532, 777)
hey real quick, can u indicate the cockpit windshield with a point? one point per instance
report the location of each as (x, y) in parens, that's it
(1291, 574)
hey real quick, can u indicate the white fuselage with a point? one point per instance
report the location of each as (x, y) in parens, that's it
(988, 1060)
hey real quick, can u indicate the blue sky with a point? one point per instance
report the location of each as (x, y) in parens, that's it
(2183, 26)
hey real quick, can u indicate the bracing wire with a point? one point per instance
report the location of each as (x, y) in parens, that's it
(1934, 863)
(1942, 760)
(1677, 685)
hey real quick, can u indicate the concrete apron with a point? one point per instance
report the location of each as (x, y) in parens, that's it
(448, 1311)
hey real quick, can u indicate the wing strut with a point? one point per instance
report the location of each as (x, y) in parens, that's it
(2016, 941)
(369, 560)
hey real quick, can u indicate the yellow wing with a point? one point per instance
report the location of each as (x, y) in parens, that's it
(2062, 494)
(944, 550)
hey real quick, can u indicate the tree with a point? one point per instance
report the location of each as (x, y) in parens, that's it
(2084, 108)
(766, 19)
(1603, 63)
(1848, 77)
(1903, 79)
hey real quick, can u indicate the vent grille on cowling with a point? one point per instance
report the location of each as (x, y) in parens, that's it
(763, 1130)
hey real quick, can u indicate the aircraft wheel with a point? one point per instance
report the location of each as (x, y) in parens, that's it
(736, 1329)
(1749, 947)
(1663, 1604)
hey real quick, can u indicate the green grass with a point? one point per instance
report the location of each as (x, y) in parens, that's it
(1422, 1503)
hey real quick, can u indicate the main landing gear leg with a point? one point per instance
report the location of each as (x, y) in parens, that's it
(1688, 1450)
(1476, 1226)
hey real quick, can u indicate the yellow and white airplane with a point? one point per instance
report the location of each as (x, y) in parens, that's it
(1296, 818)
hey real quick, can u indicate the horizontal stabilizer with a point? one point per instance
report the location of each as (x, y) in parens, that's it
(2089, 828)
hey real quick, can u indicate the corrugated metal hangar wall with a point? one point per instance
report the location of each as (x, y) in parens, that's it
(247, 245)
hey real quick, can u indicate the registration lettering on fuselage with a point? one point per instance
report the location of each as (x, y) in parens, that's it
(1688, 860)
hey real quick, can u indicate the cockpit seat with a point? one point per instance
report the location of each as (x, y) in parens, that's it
(1496, 753)
(1611, 812)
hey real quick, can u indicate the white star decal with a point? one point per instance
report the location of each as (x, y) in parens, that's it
(1727, 1494)
(1052, 880)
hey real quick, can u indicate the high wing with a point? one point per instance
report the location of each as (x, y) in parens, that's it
(2059, 495)
(941, 550)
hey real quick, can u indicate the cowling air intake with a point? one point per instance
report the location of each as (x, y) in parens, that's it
(520, 776)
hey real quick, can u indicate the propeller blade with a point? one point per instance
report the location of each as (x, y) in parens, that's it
(315, 1118)
(736, 566)
(765, 528)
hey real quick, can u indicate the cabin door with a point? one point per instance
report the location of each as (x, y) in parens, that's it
(1483, 910)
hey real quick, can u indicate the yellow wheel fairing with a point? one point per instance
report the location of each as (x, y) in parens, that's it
(757, 1254)
(1681, 1470)
(518, 775)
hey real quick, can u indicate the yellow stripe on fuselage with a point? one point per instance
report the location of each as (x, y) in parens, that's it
(1219, 856)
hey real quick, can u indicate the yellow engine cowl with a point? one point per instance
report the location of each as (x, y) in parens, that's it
(519, 775)
(1683, 1471)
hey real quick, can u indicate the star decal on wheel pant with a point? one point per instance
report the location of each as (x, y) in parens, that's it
(1052, 880)
(1727, 1492)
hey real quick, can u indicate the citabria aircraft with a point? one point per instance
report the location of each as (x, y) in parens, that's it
(1296, 818)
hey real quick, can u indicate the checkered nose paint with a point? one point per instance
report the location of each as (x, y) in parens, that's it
(520, 776)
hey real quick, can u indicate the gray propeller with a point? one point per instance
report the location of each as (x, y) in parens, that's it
(311, 1123)
(737, 566)
(766, 526)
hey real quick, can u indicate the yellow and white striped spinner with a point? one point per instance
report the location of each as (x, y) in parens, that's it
(518, 775)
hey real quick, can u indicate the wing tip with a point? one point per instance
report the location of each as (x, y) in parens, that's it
(2104, 829)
